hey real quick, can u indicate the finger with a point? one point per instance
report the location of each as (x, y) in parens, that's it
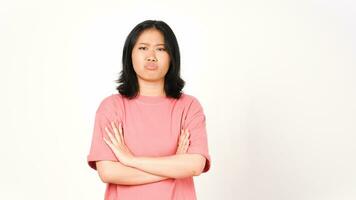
(116, 132)
(181, 138)
(181, 134)
(186, 142)
(180, 148)
(185, 148)
(185, 135)
(112, 147)
(113, 140)
(108, 143)
(121, 131)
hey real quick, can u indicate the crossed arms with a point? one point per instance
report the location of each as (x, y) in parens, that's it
(133, 170)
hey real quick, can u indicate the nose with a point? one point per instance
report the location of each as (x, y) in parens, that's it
(151, 56)
(151, 59)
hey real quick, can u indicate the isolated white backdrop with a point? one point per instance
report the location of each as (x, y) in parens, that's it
(275, 78)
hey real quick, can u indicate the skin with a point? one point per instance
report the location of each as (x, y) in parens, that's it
(133, 170)
(149, 48)
(118, 173)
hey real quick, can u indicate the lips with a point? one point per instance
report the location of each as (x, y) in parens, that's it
(151, 66)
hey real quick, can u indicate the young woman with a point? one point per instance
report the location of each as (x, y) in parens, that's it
(150, 139)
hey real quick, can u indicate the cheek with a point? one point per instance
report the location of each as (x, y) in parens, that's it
(165, 60)
(137, 59)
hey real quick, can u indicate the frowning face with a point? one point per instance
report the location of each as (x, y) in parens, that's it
(150, 59)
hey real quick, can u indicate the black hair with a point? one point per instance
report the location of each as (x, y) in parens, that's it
(173, 83)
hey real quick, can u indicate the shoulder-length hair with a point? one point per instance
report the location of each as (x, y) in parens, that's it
(173, 83)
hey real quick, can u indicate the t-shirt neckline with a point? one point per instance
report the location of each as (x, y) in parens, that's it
(151, 99)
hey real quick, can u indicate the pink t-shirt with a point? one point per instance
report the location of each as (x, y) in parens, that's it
(151, 127)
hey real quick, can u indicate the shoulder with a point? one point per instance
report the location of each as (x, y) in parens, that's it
(187, 97)
(190, 101)
(110, 103)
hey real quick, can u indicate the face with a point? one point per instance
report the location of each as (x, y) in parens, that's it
(150, 59)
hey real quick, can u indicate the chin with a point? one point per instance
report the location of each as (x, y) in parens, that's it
(151, 78)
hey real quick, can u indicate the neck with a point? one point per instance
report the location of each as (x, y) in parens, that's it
(151, 88)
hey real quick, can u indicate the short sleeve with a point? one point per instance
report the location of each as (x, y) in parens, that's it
(195, 122)
(99, 150)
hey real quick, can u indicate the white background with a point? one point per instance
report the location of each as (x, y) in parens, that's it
(275, 78)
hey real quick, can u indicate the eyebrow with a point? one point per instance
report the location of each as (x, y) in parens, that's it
(149, 44)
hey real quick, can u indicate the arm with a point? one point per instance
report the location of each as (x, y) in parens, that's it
(117, 173)
(175, 166)
(183, 165)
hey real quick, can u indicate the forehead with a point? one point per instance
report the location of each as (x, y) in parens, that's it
(151, 36)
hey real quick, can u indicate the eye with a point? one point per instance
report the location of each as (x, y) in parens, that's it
(161, 49)
(142, 48)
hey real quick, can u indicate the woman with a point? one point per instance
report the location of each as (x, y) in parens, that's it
(149, 140)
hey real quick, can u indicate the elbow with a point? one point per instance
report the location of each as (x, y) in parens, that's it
(199, 166)
(197, 172)
(198, 162)
(103, 170)
(103, 176)
(104, 180)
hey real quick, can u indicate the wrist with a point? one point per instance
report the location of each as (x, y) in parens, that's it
(132, 161)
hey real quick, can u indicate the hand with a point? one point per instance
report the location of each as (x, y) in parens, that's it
(183, 142)
(117, 144)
